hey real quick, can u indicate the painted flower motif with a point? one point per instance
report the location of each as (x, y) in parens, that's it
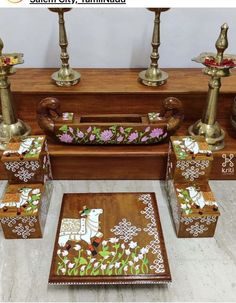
(71, 130)
(92, 260)
(120, 139)
(36, 202)
(66, 261)
(144, 250)
(132, 244)
(147, 129)
(36, 191)
(133, 136)
(113, 240)
(131, 263)
(117, 265)
(127, 252)
(122, 130)
(104, 243)
(106, 135)
(113, 253)
(111, 266)
(103, 266)
(156, 132)
(126, 268)
(136, 259)
(122, 246)
(96, 264)
(180, 195)
(64, 253)
(92, 137)
(88, 252)
(137, 267)
(77, 247)
(63, 270)
(106, 257)
(66, 138)
(71, 265)
(144, 139)
(140, 256)
(89, 129)
(82, 268)
(28, 208)
(80, 134)
(58, 252)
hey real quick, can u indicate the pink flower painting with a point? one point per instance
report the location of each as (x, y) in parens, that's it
(66, 138)
(106, 135)
(156, 132)
(133, 136)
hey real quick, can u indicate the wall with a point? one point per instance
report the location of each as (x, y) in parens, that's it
(114, 37)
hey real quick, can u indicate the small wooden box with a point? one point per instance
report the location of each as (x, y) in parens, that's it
(189, 159)
(194, 209)
(23, 210)
(27, 160)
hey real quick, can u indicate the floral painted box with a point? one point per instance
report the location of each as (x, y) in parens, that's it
(23, 210)
(194, 209)
(27, 160)
(109, 238)
(189, 159)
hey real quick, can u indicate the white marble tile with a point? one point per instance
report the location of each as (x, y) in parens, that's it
(202, 269)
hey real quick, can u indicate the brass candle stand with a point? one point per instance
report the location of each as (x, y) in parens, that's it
(66, 76)
(216, 66)
(10, 125)
(154, 76)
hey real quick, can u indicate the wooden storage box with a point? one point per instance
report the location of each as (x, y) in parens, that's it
(27, 160)
(194, 209)
(189, 160)
(23, 210)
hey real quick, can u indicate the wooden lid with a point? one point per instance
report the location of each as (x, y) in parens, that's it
(196, 200)
(191, 148)
(21, 200)
(127, 244)
(25, 149)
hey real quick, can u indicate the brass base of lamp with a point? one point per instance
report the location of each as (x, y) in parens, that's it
(66, 77)
(213, 134)
(153, 77)
(19, 129)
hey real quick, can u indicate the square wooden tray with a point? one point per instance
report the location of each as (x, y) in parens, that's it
(109, 238)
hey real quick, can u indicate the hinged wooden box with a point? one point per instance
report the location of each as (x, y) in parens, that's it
(194, 209)
(27, 160)
(23, 210)
(190, 159)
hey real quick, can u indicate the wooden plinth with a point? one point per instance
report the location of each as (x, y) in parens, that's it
(105, 91)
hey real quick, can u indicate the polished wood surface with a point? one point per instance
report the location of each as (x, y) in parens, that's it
(126, 248)
(116, 91)
(123, 81)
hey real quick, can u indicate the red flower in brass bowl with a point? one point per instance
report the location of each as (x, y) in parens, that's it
(227, 62)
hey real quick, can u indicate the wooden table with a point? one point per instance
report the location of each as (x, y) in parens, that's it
(117, 91)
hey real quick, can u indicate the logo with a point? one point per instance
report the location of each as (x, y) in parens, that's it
(14, 1)
(228, 164)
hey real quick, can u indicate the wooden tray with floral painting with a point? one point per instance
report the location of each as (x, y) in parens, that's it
(109, 238)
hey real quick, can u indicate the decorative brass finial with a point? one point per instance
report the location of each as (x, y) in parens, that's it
(222, 43)
(153, 76)
(216, 66)
(66, 76)
(10, 125)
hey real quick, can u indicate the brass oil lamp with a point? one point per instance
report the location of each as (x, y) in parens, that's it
(216, 66)
(154, 76)
(10, 125)
(66, 76)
